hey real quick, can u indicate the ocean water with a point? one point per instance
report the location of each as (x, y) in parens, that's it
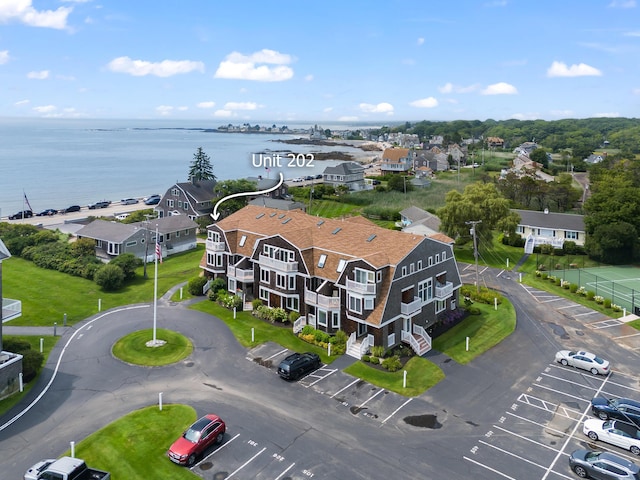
(62, 162)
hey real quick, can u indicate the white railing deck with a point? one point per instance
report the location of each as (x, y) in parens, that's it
(313, 298)
(366, 288)
(242, 275)
(298, 324)
(411, 307)
(278, 264)
(215, 246)
(444, 291)
(11, 309)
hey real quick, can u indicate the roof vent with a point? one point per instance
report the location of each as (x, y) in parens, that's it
(320, 222)
(281, 215)
(260, 215)
(336, 231)
(371, 237)
(287, 220)
(273, 214)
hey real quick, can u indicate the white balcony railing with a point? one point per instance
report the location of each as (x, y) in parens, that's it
(412, 307)
(278, 264)
(11, 309)
(241, 275)
(318, 300)
(444, 291)
(357, 287)
(215, 246)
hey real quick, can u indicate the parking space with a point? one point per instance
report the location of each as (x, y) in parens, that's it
(349, 394)
(543, 426)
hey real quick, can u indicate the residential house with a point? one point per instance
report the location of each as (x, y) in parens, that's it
(177, 233)
(457, 153)
(396, 160)
(525, 148)
(348, 174)
(594, 158)
(380, 286)
(279, 203)
(523, 165)
(192, 199)
(538, 228)
(495, 142)
(418, 221)
(434, 158)
(267, 183)
(10, 363)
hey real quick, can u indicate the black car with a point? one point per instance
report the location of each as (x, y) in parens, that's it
(47, 213)
(152, 199)
(602, 465)
(22, 214)
(72, 208)
(623, 409)
(298, 364)
(101, 204)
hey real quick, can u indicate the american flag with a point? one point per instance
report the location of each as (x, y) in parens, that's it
(158, 252)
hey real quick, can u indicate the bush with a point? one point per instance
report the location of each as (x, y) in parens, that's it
(307, 330)
(607, 303)
(570, 247)
(558, 281)
(196, 284)
(590, 295)
(473, 310)
(599, 299)
(365, 358)
(217, 285)
(573, 288)
(545, 275)
(483, 295)
(377, 351)
(341, 337)
(375, 360)
(255, 303)
(321, 337)
(393, 364)
(109, 277)
(128, 262)
(293, 316)
(31, 364)
(15, 345)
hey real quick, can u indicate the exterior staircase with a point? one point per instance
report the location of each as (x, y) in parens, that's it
(418, 339)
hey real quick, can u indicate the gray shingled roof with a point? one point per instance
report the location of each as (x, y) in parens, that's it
(280, 204)
(414, 213)
(344, 168)
(556, 221)
(200, 191)
(169, 224)
(117, 232)
(4, 251)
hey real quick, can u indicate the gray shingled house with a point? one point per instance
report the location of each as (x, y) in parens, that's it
(177, 234)
(191, 199)
(10, 363)
(349, 174)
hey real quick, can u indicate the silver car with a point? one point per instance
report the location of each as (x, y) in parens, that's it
(584, 360)
(602, 465)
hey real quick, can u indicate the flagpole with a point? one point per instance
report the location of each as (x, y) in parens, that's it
(155, 288)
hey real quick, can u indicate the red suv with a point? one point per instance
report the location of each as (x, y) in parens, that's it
(196, 439)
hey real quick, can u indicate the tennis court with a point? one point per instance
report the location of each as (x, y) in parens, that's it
(619, 284)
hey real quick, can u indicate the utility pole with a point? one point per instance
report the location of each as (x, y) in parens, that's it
(473, 224)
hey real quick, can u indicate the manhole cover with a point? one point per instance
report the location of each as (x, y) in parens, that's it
(356, 410)
(188, 364)
(424, 421)
(206, 466)
(220, 475)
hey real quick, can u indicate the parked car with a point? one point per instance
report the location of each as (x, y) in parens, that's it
(22, 214)
(47, 213)
(623, 409)
(122, 216)
(298, 364)
(64, 468)
(319, 176)
(129, 201)
(614, 432)
(72, 208)
(602, 465)
(196, 439)
(152, 199)
(101, 204)
(584, 360)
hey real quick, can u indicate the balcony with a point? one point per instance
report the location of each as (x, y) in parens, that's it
(409, 309)
(278, 264)
(241, 275)
(11, 309)
(444, 291)
(315, 299)
(215, 246)
(357, 287)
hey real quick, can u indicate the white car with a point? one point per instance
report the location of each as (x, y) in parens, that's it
(129, 201)
(614, 432)
(584, 360)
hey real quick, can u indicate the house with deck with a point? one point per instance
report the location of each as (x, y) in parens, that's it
(381, 287)
(347, 174)
(396, 160)
(10, 363)
(539, 228)
(193, 199)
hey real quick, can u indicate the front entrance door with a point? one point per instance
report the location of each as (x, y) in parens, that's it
(362, 329)
(406, 325)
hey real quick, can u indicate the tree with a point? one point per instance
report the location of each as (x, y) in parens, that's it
(539, 155)
(230, 187)
(201, 167)
(479, 202)
(128, 262)
(399, 183)
(109, 277)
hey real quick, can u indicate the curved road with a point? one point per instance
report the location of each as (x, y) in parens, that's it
(316, 431)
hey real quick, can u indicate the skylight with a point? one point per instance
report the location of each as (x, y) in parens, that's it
(260, 215)
(322, 260)
(341, 265)
(336, 230)
(371, 237)
(286, 220)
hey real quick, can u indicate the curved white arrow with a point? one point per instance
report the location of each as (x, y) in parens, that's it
(215, 213)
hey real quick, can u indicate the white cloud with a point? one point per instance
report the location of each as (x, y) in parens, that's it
(223, 113)
(429, 102)
(164, 109)
(327, 109)
(451, 88)
(41, 75)
(45, 109)
(636, 91)
(383, 107)
(606, 115)
(500, 88)
(22, 11)
(348, 118)
(256, 66)
(308, 78)
(21, 102)
(525, 116)
(206, 104)
(182, 108)
(4, 56)
(165, 68)
(560, 69)
(420, 41)
(632, 34)
(622, 4)
(562, 113)
(241, 106)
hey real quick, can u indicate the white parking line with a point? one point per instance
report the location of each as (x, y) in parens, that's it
(343, 389)
(276, 354)
(331, 372)
(626, 336)
(395, 411)
(567, 381)
(593, 312)
(371, 398)
(561, 392)
(547, 406)
(528, 439)
(246, 463)
(521, 458)
(217, 449)
(488, 468)
(545, 426)
(569, 306)
(290, 467)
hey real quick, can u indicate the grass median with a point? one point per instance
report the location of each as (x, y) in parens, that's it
(132, 348)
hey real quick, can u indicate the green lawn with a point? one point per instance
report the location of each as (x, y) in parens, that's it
(48, 343)
(263, 331)
(133, 348)
(484, 331)
(47, 294)
(134, 447)
(421, 375)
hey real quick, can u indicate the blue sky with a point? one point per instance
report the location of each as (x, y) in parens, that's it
(287, 61)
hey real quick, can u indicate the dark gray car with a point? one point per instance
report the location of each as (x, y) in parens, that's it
(602, 466)
(623, 409)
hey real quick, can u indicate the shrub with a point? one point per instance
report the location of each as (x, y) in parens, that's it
(109, 277)
(196, 284)
(255, 303)
(558, 281)
(582, 292)
(365, 358)
(545, 275)
(321, 337)
(293, 316)
(616, 308)
(307, 329)
(565, 284)
(217, 285)
(473, 310)
(374, 359)
(15, 345)
(570, 247)
(393, 364)
(573, 288)
(341, 337)
(607, 303)
(377, 351)
(538, 273)
(128, 262)
(599, 299)
(546, 249)
(279, 314)
(483, 295)
(31, 364)
(590, 295)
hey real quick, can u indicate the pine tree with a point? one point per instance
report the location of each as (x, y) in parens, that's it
(201, 167)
